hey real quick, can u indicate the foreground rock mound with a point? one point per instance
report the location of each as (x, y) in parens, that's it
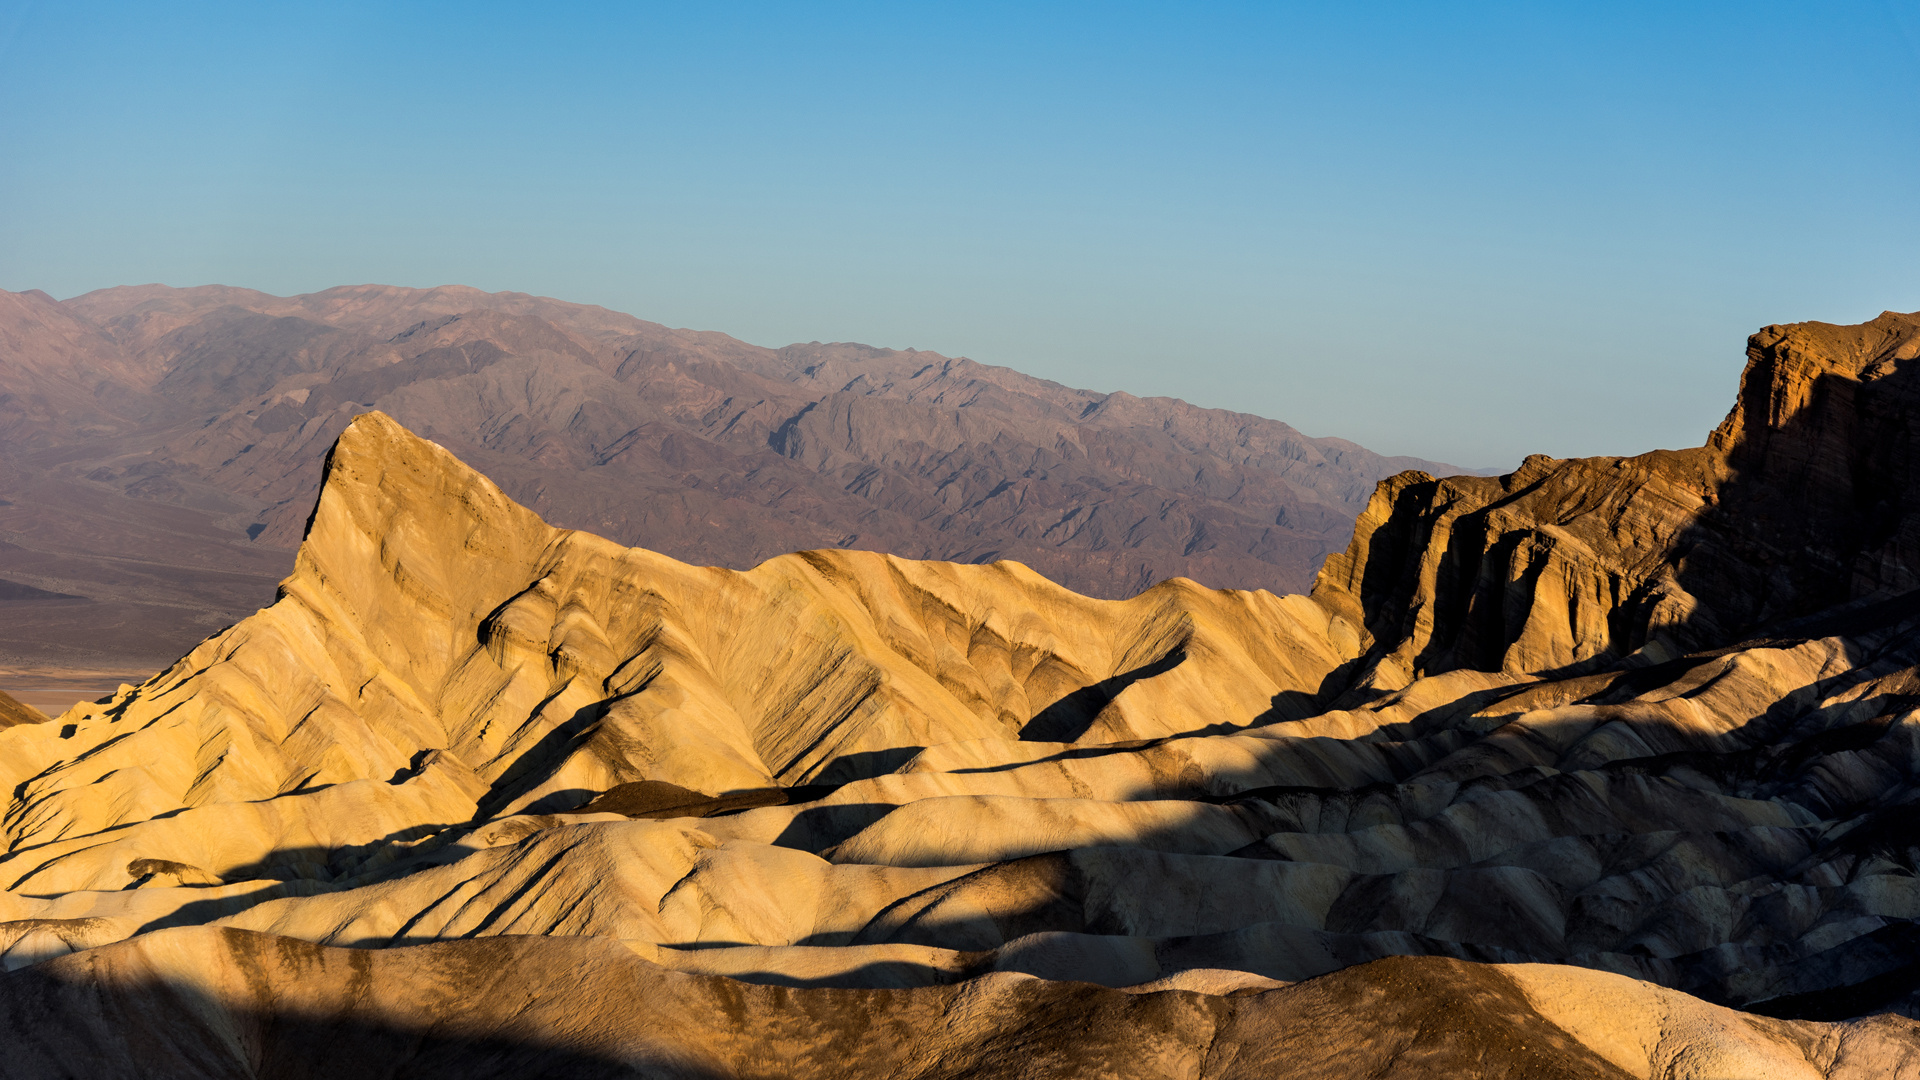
(1650, 719)
(200, 1003)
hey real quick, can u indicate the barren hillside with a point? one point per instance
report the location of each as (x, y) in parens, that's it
(1605, 767)
(160, 450)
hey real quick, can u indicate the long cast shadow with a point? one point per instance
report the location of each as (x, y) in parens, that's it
(1069, 718)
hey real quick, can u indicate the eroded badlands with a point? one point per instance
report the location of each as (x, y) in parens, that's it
(478, 796)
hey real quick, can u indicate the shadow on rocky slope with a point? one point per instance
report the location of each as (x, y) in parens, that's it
(1802, 500)
(1641, 732)
(267, 1009)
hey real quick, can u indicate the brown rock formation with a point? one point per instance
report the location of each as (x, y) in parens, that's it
(15, 712)
(1803, 499)
(1572, 745)
(204, 1003)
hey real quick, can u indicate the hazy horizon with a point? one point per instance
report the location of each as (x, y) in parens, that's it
(704, 329)
(1460, 235)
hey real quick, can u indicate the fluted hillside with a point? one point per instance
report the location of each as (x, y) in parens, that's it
(844, 811)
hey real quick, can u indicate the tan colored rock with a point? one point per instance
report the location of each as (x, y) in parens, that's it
(1802, 499)
(15, 712)
(846, 793)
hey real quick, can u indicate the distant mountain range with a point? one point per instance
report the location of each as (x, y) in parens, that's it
(160, 450)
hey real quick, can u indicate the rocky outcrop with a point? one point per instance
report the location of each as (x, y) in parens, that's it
(647, 816)
(439, 648)
(1803, 499)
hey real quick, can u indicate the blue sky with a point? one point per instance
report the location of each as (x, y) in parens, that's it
(1468, 232)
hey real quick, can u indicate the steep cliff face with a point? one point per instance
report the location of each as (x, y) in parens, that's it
(1802, 499)
(1823, 457)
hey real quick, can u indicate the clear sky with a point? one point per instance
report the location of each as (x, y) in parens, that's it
(1468, 232)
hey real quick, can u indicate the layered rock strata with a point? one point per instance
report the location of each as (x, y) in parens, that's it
(842, 793)
(1804, 498)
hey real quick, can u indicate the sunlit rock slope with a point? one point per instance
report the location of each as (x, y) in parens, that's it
(1652, 718)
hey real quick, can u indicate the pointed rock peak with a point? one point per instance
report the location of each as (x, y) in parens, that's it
(375, 426)
(397, 502)
(378, 461)
(1789, 365)
(373, 445)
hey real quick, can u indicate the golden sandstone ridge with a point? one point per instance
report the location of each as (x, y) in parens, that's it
(1552, 775)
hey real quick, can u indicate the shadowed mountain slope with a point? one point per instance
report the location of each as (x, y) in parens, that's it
(204, 1003)
(1806, 498)
(13, 712)
(1650, 721)
(188, 425)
